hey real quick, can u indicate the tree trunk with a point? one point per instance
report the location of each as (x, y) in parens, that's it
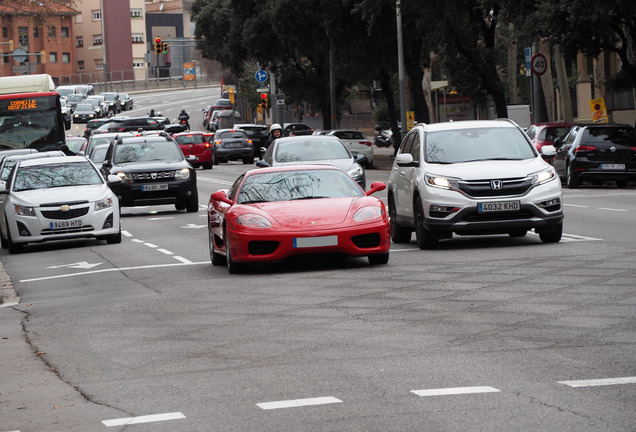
(390, 102)
(564, 89)
(546, 80)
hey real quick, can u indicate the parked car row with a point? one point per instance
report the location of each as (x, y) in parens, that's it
(77, 98)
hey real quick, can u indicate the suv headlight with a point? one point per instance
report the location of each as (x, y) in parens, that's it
(125, 177)
(182, 174)
(544, 176)
(103, 204)
(441, 182)
(24, 211)
(355, 171)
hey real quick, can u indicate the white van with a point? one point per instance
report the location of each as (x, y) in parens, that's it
(521, 115)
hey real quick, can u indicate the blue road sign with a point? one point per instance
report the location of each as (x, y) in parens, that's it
(261, 76)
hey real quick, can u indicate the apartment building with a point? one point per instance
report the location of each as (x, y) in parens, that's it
(110, 36)
(40, 35)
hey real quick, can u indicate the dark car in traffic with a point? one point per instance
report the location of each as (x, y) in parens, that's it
(295, 129)
(132, 124)
(84, 112)
(153, 171)
(125, 101)
(232, 144)
(257, 133)
(597, 153)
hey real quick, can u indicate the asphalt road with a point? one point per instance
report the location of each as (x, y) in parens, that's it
(486, 333)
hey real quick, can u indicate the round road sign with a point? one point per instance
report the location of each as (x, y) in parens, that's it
(539, 64)
(19, 55)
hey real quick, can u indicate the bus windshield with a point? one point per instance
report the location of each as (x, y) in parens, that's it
(31, 120)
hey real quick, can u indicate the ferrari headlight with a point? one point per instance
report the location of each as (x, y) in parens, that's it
(182, 174)
(441, 182)
(355, 171)
(125, 177)
(251, 220)
(103, 204)
(367, 213)
(23, 210)
(544, 176)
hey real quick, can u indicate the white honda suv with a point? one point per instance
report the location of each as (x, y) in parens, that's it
(471, 178)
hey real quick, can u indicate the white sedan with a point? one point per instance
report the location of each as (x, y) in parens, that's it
(57, 198)
(357, 142)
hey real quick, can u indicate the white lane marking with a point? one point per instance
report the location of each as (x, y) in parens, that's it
(213, 180)
(138, 241)
(298, 403)
(183, 260)
(150, 245)
(79, 265)
(455, 391)
(160, 218)
(572, 237)
(116, 269)
(575, 205)
(164, 251)
(194, 226)
(126, 233)
(599, 382)
(143, 419)
(612, 209)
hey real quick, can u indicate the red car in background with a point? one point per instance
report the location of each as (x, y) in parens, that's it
(543, 134)
(196, 144)
(270, 214)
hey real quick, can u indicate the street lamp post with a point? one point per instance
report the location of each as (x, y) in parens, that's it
(402, 79)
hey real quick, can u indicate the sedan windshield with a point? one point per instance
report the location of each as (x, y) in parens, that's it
(296, 185)
(55, 175)
(478, 144)
(311, 150)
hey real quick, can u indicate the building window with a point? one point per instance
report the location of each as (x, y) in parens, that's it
(52, 31)
(138, 38)
(97, 15)
(97, 39)
(80, 65)
(138, 64)
(53, 57)
(64, 31)
(66, 57)
(78, 18)
(36, 32)
(79, 41)
(136, 13)
(23, 37)
(5, 32)
(99, 64)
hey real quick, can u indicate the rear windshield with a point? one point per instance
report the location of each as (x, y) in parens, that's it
(231, 134)
(350, 135)
(311, 150)
(189, 139)
(616, 135)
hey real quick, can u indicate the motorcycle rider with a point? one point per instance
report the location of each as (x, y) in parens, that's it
(275, 131)
(184, 117)
(152, 113)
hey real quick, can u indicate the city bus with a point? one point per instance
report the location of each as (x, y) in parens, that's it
(30, 113)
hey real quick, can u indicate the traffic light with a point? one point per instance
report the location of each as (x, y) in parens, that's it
(231, 92)
(158, 46)
(165, 47)
(264, 100)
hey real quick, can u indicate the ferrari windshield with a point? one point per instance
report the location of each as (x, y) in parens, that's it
(295, 185)
(55, 175)
(477, 144)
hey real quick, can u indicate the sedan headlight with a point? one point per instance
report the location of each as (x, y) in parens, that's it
(125, 177)
(104, 204)
(355, 171)
(367, 213)
(23, 210)
(544, 176)
(441, 182)
(252, 220)
(182, 174)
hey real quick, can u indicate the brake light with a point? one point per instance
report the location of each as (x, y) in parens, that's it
(585, 148)
(366, 143)
(217, 142)
(633, 149)
(249, 141)
(207, 145)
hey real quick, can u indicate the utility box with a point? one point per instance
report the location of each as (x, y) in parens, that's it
(521, 115)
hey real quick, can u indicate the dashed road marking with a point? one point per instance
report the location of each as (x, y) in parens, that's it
(612, 209)
(455, 391)
(599, 382)
(298, 403)
(143, 419)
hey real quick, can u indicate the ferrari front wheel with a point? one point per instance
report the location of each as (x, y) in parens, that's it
(232, 267)
(378, 259)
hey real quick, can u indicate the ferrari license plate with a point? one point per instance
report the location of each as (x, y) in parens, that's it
(154, 187)
(613, 166)
(308, 242)
(498, 206)
(65, 224)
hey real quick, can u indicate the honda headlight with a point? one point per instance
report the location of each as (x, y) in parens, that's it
(544, 176)
(355, 171)
(103, 204)
(252, 220)
(441, 182)
(367, 213)
(182, 174)
(24, 210)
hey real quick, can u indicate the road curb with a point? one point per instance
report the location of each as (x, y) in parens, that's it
(8, 295)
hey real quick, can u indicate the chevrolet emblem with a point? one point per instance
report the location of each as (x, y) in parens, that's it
(65, 208)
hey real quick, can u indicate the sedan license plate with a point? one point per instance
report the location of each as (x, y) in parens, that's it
(65, 224)
(307, 242)
(613, 166)
(154, 187)
(498, 206)
(234, 144)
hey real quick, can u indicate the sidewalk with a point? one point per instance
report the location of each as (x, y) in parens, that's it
(383, 158)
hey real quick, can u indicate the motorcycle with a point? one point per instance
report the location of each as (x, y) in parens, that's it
(383, 137)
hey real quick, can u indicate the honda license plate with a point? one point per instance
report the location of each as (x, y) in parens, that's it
(499, 206)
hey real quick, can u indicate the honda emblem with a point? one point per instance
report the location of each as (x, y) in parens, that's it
(496, 184)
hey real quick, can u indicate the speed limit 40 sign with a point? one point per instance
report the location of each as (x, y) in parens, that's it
(538, 64)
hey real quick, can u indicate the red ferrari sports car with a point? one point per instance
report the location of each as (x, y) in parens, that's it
(270, 214)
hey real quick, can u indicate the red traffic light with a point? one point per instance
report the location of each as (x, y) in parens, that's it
(158, 40)
(264, 96)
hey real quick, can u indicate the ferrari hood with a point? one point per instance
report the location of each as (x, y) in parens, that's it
(308, 213)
